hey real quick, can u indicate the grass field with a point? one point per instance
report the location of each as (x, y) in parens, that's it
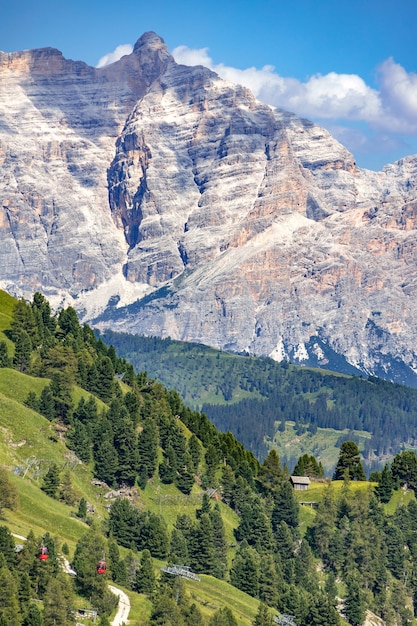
(323, 444)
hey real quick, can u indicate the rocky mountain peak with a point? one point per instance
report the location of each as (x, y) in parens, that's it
(159, 199)
(150, 40)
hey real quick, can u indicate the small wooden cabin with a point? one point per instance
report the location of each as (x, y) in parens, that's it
(300, 483)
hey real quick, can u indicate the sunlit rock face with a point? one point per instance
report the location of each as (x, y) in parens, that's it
(159, 199)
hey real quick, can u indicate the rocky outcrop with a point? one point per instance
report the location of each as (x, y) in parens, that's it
(159, 199)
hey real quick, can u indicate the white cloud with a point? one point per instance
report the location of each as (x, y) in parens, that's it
(188, 56)
(392, 108)
(118, 53)
(398, 92)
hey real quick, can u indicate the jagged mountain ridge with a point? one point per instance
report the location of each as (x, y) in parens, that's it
(159, 199)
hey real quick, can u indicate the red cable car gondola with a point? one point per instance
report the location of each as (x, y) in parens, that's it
(101, 567)
(43, 553)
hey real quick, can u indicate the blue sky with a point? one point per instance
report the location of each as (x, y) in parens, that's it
(349, 65)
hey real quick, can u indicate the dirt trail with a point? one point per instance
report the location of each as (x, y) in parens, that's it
(123, 609)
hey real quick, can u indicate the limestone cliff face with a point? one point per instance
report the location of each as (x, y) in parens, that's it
(59, 123)
(173, 203)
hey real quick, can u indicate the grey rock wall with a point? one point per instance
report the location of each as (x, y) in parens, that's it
(203, 213)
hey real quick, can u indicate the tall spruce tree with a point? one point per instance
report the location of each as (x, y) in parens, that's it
(23, 350)
(219, 543)
(244, 573)
(354, 608)
(147, 451)
(286, 508)
(350, 460)
(178, 550)
(145, 575)
(385, 487)
(9, 599)
(51, 481)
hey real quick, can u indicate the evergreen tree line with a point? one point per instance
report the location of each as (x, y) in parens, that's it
(287, 393)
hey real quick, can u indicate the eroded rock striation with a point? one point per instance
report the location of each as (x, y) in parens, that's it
(159, 199)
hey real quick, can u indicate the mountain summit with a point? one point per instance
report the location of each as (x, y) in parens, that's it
(159, 199)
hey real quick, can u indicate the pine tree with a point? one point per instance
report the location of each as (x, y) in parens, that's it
(79, 441)
(32, 401)
(185, 475)
(61, 388)
(34, 616)
(125, 522)
(145, 575)
(168, 468)
(321, 531)
(385, 487)
(154, 535)
(268, 580)
(125, 444)
(305, 573)
(117, 566)
(132, 404)
(58, 602)
(202, 554)
(223, 617)
(330, 588)
(349, 459)
(270, 473)
(178, 550)
(285, 548)
(68, 322)
(24, 592)
(263, 616)
(147, 451)
(286, 508)
(321, 611)
(307, 465)
(205, 506)
(219, 543)
(354, 609)
(166, 611)
(9, 600)
(106, 463)
(228, 484)
(51, 481)
(82, 509)
(404, 469)
(255, 525)
(89, 550)
(7, 546)
(244, 573)
(23, 350)
(195, 450)
(24, 320)
(105, 379)
(395, 549)
(47, 403)
(67, 492)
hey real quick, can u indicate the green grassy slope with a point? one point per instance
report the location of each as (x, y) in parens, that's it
(29, 443)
